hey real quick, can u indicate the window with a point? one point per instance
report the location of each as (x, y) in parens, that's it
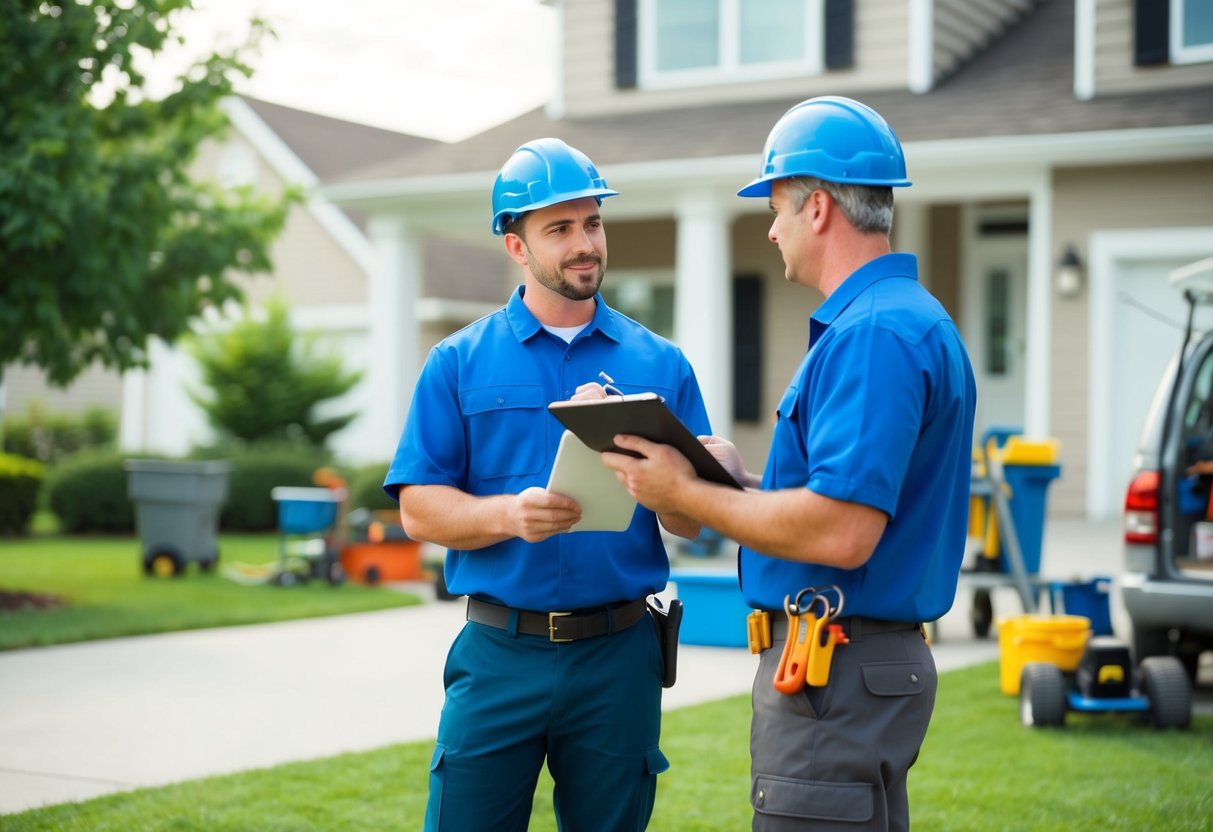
(687, 42)
(1191, 31)
(648, 300)
(998, 303)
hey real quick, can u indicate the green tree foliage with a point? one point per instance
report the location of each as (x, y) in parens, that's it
(104, 238)
(266, 382)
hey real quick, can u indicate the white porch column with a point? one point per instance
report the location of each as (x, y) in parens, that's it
(1038, 380)
(393, 330)
(703, 301)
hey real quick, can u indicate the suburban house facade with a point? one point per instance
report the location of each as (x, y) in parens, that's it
(1035, 132)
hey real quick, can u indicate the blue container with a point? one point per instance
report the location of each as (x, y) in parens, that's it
(713, 612)
(305, 510)
(1085, 598)
(1029, 489)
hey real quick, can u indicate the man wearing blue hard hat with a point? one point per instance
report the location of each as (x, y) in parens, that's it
(559, 659)
(854, 535)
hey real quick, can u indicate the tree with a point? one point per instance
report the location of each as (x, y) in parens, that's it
(104, 239)
(267, 383)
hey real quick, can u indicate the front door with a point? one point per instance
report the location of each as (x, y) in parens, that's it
(995, 311)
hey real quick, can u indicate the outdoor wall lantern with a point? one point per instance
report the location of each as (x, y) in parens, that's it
(1069, 273)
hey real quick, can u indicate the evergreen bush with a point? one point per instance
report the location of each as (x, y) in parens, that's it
(48, 436)
(20, 479)
(88, 493)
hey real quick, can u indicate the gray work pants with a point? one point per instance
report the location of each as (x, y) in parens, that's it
(836, 757)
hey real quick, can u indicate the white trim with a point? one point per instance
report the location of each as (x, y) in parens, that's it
(1105, 251)
(1038, 363)
(1177, 52)
(1084, 49)
(292, 169)
(922, 45)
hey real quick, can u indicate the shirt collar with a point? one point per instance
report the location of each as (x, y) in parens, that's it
(887, 265)
(525, 325)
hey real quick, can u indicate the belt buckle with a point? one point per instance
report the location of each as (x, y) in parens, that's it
(552, 616)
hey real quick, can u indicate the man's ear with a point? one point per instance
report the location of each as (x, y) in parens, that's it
(516, 249)
(820, 210)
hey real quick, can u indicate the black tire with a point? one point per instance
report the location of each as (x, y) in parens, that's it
(209, 564)
(981, 613)
(1042, 696)
(163, 562)
(288, 579)
(1151, 641)
(336, 574)
(1164, 682)
(372, 576)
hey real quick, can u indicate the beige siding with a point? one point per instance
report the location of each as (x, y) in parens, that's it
(1085, 200)
(588, 49)
(310, 267)
(95, 387)
(964, 27)
(1115, 72)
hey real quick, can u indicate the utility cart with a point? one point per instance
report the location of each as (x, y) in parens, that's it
(309, 522)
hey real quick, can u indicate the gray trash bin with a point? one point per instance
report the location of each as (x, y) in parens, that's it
(177, 512)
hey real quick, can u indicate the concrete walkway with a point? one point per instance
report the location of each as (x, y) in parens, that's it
(83, 720)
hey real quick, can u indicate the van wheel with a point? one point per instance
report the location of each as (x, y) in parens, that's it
(1165, 684)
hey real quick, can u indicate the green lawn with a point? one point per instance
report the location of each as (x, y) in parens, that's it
(107, 595)
(979, 771)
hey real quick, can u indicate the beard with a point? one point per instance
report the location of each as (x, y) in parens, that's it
(585, 287)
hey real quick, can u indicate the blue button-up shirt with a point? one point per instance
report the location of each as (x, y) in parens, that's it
(479, 423)
(880, 412)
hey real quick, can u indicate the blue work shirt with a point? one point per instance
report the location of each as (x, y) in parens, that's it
(479, 423)
(880, 412)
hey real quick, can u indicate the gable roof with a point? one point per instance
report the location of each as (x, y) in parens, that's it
(1022, 85)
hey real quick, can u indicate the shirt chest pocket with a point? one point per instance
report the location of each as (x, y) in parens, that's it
(787, 456)
(506, 430)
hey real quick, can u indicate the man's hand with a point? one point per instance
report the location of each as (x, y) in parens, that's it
(729, 457)
(589, 392)
(537, 514)
(653, 480)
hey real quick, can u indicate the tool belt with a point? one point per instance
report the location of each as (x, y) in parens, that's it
(559, 626)
(855, 627)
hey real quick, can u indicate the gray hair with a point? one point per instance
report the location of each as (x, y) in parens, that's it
(869, 208)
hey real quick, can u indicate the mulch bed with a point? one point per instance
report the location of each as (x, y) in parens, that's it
(11, 601)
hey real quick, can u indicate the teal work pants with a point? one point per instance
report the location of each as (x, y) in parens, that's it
(591, 708)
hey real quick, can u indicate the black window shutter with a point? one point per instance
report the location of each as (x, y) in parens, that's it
(1152, 23)
(625, 43)
(747, 348)
(839, 33)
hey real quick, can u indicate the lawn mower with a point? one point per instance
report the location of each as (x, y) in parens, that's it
(1105, 681)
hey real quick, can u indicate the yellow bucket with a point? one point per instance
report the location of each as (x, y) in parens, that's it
(1055, 639)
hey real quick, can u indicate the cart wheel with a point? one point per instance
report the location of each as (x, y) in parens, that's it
(336, 575)
(981, 613)
(163, 563)
(286, 579)
(1165, 684)
(1042, 695)
(371, 576)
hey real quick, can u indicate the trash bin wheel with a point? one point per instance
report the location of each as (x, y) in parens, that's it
(1164, 681)
(162, 562)
(981, 614)
(208, 564)
(1042, 695)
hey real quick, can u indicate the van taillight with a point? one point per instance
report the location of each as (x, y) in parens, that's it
(1141, 508)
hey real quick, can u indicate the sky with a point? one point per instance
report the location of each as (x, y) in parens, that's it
(444, 70)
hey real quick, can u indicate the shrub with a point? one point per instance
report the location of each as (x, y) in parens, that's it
(48, 437)
(87, 492)
(366, 488)
(20, 479)
(255, 473)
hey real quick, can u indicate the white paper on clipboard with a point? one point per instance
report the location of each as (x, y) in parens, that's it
(579, 473)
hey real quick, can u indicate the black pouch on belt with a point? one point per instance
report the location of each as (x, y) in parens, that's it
(667, 623)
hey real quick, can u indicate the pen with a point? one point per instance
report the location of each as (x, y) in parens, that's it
(608, 387)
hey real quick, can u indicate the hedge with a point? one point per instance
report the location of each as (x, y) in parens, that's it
(87, 492)
(366, 488)
(20, 479)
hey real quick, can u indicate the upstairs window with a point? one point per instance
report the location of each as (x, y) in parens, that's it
(1191, 31)
(688, 42)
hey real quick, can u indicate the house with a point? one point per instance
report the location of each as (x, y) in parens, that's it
(1037, 134)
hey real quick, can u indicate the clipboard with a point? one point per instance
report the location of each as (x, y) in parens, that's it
(596, 421)
(606, 506)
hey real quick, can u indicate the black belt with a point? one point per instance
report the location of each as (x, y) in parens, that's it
(855, 626)
(559, 626)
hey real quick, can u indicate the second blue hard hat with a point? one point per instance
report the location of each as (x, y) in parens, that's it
(541, 173)
(832, 138)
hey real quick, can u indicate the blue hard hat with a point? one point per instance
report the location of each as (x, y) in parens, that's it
(541, 173)
(832, 138)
